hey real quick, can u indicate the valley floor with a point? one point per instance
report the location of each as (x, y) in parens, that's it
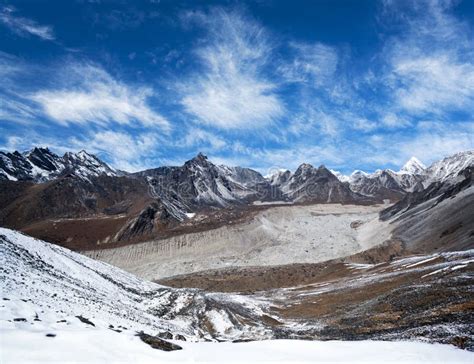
(274, 236)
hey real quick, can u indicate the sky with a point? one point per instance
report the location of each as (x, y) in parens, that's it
(351, 84)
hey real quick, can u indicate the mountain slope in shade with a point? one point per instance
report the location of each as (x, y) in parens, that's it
(41, 165)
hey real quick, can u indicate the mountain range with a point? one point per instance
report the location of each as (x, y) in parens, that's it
(55, 197)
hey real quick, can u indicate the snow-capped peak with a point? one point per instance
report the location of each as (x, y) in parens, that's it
(414, 166)
(341, 177)
(41, 165)
(449, 167)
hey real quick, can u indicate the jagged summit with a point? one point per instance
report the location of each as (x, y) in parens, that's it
(200, 156)
(450, 166)
(304, 167)
(200, 160)
(41, 165)
(414, 165)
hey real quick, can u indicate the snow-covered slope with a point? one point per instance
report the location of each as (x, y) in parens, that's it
(86, 165)
(41, 165)
(47, 282)
(61, 306)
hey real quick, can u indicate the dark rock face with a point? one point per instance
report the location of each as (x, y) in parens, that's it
(66, 197)
(319, 185)
(442, 190)
(199, 183)
(157, 343)
(386, 184)
(41, 165)
(150, 218)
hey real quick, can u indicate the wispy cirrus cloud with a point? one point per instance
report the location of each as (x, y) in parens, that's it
(89, 94)
(230, 91)
(432, 141)
(24, 26)
(431, 62)
(122, 150)
(314, 63)
(200, 137)
(433, 83)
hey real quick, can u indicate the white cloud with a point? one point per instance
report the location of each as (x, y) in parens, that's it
(231, 92)
(91, 95)
(266, 160)
(433, 83)
(437, 140)
(432, 68)
(122, 150)
(14, 109)
(313, 63)
(394, 121)
(430, 141)
(24, 26)
(363, 124)
(314, 118)
(196, 136)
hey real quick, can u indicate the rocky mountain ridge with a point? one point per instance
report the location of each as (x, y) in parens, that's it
(414, 176)
(41, 165)
(80, 201)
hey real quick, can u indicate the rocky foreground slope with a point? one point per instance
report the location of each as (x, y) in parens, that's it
(40, 280)
(49, 292)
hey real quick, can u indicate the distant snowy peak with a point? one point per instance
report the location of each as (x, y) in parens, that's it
(280, 178)
(86, 165)
(450, 167)
(341, 177)
(41, 165)
(413, 166)
(413, 176)
(38, 165)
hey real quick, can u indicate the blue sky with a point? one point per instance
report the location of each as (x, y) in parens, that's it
(264, 84)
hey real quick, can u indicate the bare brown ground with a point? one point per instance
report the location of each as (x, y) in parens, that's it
(343, 300)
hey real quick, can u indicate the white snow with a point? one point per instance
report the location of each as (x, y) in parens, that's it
(413, 166)
(76, 343)
(449, 167)
(55, 281)
(422, 261)
(341, 177)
